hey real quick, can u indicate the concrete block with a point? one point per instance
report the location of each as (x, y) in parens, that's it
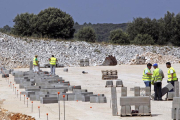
(119, 83)
(47, 100)
(109, 84)
(70, 88)
(176, 102)
(124, 91)
(173, 113)
(170, 95)
(136, 91)
(147, 91)
(125, 110)
(134, 100)
(5, 75)
(114, 101)
(177, 113)
(79, 90)
(86, 98)
(176, 89)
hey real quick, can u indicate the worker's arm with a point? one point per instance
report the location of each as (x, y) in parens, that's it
(149, 73)
(171, 76)
(49, 59)
(36, 61)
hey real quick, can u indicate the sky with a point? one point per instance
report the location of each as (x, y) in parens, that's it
(94, 11)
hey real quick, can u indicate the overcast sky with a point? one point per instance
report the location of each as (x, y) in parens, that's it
(94, 11)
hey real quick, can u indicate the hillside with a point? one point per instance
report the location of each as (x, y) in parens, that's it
(102, 30)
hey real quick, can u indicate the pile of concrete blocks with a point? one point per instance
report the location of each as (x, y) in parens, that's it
(84, 62)
(175, 92)
(119, 83)
(175, 108)
(44, 87)
(5, 73)
(109, 74)
(141, 103)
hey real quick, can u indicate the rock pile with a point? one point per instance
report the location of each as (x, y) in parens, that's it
(17, 52)
(156, 58)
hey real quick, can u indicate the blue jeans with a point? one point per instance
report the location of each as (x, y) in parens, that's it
(53, 67)
(147, 83)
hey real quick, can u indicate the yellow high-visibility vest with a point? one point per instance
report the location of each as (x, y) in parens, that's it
(156, 76)
(34, 61)
(53, 61)
(174, 74)
(145, 76)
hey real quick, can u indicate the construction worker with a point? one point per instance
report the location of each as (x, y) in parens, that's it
(147, 75)
(156, 80)
(171, 75)
(53, 61)
(36, 64)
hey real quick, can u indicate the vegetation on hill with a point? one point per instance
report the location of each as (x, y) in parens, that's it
(54, 23)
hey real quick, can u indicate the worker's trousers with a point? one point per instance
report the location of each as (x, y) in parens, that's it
(53, 67)
(157, 90)
(147, 84)
(172, 82)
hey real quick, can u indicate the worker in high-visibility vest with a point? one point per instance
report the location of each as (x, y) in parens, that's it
(36, 64)
(156, 80)
(52, 62)
(147, 75)
(171, 74)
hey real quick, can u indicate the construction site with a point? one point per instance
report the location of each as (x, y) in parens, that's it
(85, 91)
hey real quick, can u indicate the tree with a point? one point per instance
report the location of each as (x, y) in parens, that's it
(118, 37)
(87, 34)
(143, 39)
(143, 26)
(23, 24)
(5, 29)
(54, 23)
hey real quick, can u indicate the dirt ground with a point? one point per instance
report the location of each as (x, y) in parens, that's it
(77, 110)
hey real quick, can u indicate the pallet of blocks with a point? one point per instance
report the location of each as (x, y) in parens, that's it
(109, 74)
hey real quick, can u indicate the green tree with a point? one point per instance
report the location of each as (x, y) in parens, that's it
(23, 24)
(87, 34)
(54, 23)
(143, 26)
(143, 39)
(118, 37)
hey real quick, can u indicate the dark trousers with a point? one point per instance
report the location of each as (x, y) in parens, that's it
(172, 82)
(157, 90)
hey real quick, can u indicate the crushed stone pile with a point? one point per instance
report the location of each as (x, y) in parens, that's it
(18, 52)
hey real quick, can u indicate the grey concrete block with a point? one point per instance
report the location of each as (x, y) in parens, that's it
(109, 84)
(134, 101)
(114, 101)
(176, 89)
(124, 91)
(170, 95)
(79, 90)
(147, 91)
(70, 88)
(119, 83)
(125, 110)
(47, 100)
(136, 91)
(5, 75)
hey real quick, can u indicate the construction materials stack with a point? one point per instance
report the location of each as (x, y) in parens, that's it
(141, 103)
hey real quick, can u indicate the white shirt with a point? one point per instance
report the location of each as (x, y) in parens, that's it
(171, 71)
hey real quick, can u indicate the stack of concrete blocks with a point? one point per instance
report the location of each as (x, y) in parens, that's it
(141, 103)
(140, 60)
(165, 90)
(109, 74)
(44, 88)
(119, 83)
(175, 92)
(5, 73)
(84, 62)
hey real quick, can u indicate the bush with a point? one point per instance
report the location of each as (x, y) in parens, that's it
(118, 37)
(143, 39)
(86, 34)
